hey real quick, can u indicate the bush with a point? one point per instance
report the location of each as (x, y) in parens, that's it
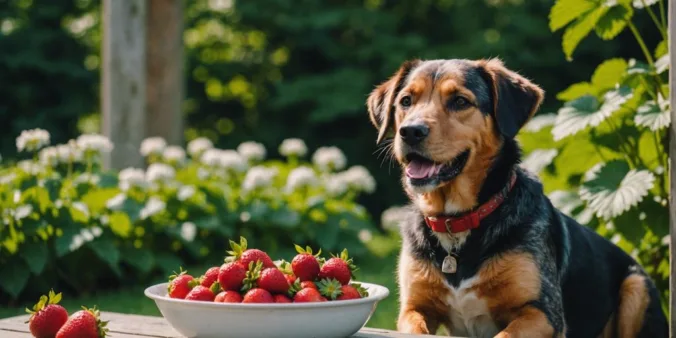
(69, 224)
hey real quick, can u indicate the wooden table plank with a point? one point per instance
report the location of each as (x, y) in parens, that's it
(135, 326)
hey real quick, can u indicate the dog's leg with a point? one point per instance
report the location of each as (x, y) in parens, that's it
(530, 323)
(639, 313)
(414, 322)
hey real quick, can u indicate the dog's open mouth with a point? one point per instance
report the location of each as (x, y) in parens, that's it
(421, 170)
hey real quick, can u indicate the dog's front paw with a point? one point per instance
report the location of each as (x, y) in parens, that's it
(412, 322)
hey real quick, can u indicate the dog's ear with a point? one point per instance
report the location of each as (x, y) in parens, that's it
(380, 102)
(515, 98)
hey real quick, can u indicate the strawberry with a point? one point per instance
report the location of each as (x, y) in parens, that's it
(305, 266)
(231, 276)
(47, 316)
(307, 296)
(281, 299)
(244, 256)
(308, 284)
(285, 267)
(257, 295)
(290, 278)
(273, 280)
(339, 268)
(330, 288)
(202, 293)
(228, 297)
(180, 284)
(348, 292)
(210, 276)
(85, 323)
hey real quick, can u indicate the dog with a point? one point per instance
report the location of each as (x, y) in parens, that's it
(484, 252)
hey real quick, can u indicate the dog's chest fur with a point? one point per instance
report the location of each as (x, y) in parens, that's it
(468, 314)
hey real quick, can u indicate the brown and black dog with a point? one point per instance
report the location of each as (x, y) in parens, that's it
(484, 252)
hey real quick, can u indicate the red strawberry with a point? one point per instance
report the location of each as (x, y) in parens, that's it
(308, 284)
(47, 316)
(85, 323)
(228, 297)
(273, 280)
(305, 266)
(257, 295)
(239, 253)
(285, 267)
(180, 284)
(324, 299)
(307, 296)
(281, 299)
(231, 276)
(348, 292)
(203, 294)
(290, 278)
(339, 268)
(210, 276)
(330, 288)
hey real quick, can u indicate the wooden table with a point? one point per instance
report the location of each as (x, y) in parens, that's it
(133, 326)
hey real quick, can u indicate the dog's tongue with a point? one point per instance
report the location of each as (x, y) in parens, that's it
(419, 169)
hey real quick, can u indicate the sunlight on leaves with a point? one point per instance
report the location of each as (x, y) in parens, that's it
(538, 159)
(654, 115)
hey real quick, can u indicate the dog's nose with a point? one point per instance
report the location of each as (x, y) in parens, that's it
(414, 134)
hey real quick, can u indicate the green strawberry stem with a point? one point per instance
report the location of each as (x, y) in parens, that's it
(237, 249)
(101, 325)
(330, 288)
(307, 250)
(252, 275)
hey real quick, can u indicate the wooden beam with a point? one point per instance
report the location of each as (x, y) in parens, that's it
(123, 93)
(672, 167)
(164, 69)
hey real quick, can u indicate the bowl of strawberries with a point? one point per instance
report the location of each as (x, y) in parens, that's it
(252, 296)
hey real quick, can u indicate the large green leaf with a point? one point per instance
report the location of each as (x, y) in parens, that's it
(327, 234)
(585, 112)
(613, 188)
(35, 254)
(576, 32)
(105, 249)
(630, 225)
(15, 275)
(69, 229)
(565, 11)
(539, 159)
(569, 203)
(661, 49)
(654, 115)
(608, 74)
(285, 217)
(141, 259)
(540, 122)
(613, 22)
(662, 64)
(168, 262)
(576, 90)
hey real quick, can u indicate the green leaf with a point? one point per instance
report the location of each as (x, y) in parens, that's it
(630, 226)
(612, 188)
(327, 234)
(256, 211)
(569, 203)
(540, 122)
(120, 224)
(661, 49)
(69, 228)
(108, 180)
(653, 115)
(53, 188)
(105, 249)
(614, 22)
(96, 199)
(539, 159)
(141, 259)
(575, 91)
(132, 208)
(608, 74)
(565, 11)
(167, 262)
(15, 275)
(285, 218)
(35, 254)
(576, 32)
(662, 64)
(585, 112)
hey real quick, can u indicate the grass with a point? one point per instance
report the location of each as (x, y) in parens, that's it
(379, 270)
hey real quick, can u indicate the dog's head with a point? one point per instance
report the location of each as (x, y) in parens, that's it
(450, 117)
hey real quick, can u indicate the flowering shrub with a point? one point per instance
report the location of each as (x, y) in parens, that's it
(66, 221)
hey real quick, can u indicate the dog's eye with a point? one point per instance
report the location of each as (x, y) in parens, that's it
(405, 101)
(458, 103)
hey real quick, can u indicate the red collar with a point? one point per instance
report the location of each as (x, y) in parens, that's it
(472, 219)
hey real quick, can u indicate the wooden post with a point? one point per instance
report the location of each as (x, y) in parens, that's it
(164, 90)
(672, 165)
(123, 93)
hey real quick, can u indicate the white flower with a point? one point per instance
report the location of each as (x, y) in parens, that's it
(393, 217)
(329, 159)
(131, 177)
(301, 177)
(199, 145)
(359, 179)
(258, 177)
(643, 3)
(87, 235)
(96, 231)
(659, 170)
(76, 242)
(365, 236)
(69, 153)
(116, 202)
(152, 207)
(49, 156)
(94, 143)
(92, 179)
(227, 159)
(245, 216)
(29, 167)
(252, 151)
(105, 220)
(7, 179)
(153, 146)
(32, 140)
(616, 239)
(174, 154)
(666, 240)
(23, 211)
(335, 185)
(83, 208)
(211, 157)
(185, 192)
(160, 172)
(17, 196)
(293, 147)
(188, 231)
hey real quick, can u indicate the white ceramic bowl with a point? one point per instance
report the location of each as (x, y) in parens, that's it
(334, 319)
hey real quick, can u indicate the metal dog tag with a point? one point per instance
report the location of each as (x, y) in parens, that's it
(450, 265)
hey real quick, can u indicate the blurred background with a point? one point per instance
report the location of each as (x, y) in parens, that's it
(270, 70)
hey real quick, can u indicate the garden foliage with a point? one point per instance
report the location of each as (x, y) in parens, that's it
(68, 224)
